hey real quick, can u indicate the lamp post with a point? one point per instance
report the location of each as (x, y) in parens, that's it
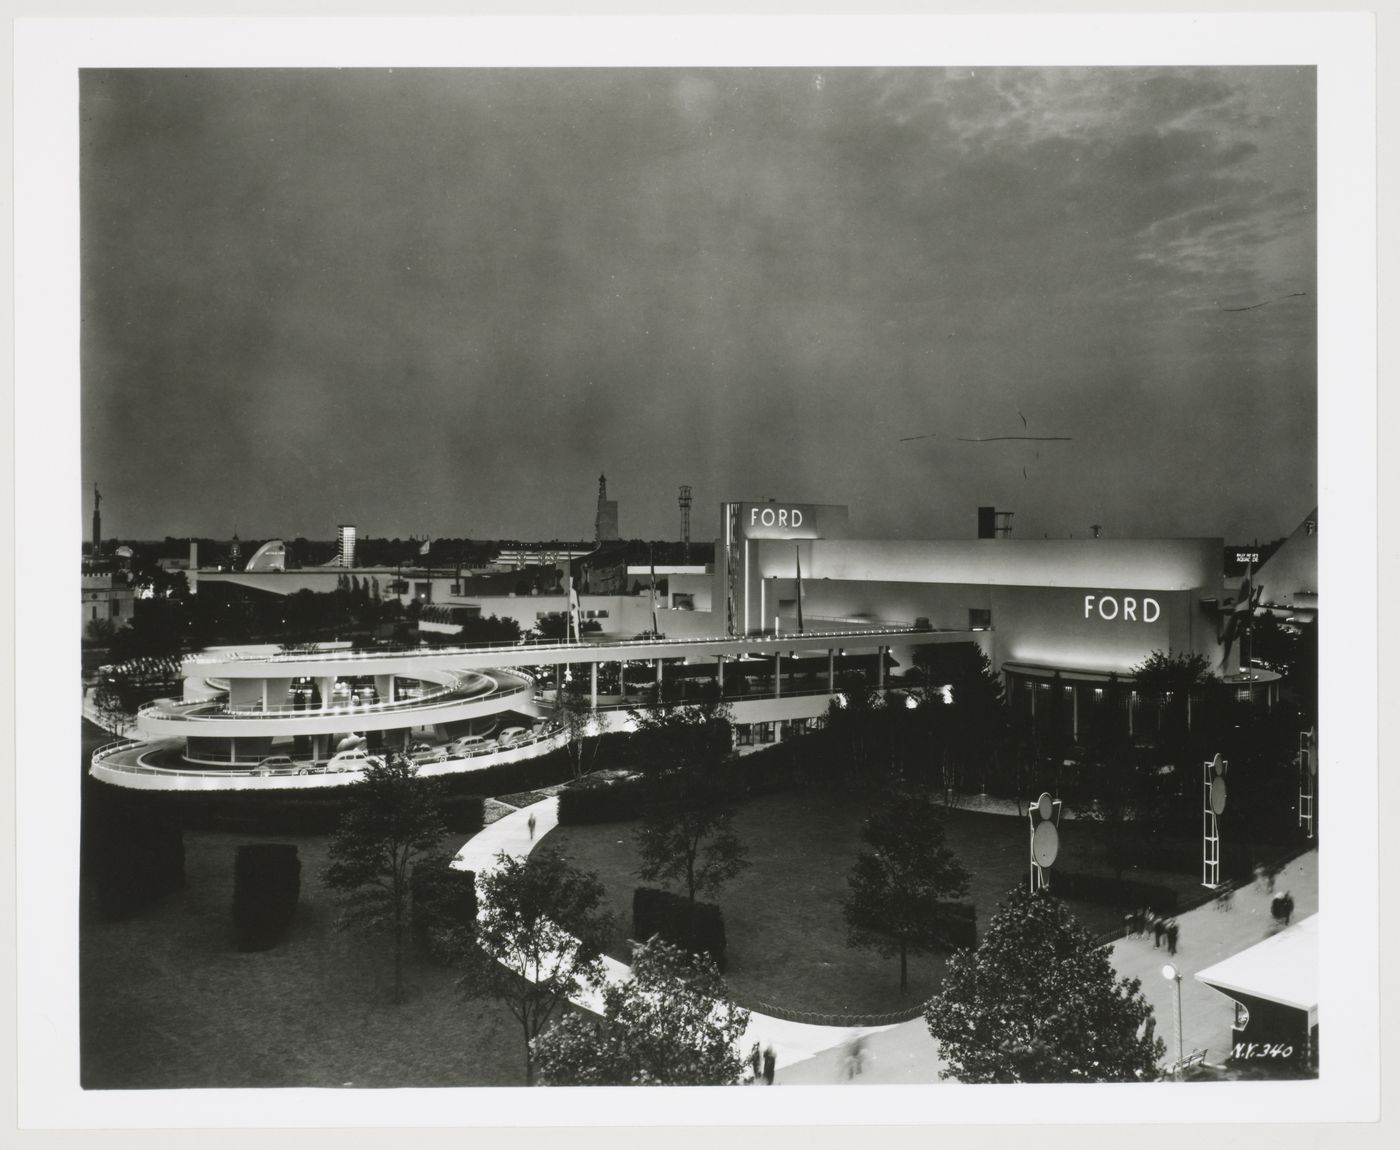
(1172, 974)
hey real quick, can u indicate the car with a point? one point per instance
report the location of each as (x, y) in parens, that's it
(469, 745)
(426, 753)
(510, 735)
(355, 759)
(279, 765)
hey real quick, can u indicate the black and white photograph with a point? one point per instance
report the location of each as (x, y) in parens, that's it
(630, 573)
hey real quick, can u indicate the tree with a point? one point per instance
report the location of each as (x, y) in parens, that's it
(537, 940)
(1170, 678)
(686, 833)
(391, 822)
(686, 836)
(670, 1024)
(123, 689)
(1038, 1001)
(574, 708)
(897, 885)
(979, 712)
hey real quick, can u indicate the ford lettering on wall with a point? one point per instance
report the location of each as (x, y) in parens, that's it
(775, 516)
(1127, 608)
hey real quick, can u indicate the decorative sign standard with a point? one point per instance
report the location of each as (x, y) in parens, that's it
(1128, 608)
(1213, 774)
(1307, 777)
(1044, 818)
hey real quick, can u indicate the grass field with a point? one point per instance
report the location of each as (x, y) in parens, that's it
(786, 935)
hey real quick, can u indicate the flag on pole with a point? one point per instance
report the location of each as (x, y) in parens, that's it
(573, 632)
(655, 629)
(423, 550)
(799, 588)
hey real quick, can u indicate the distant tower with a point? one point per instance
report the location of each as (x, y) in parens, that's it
(96, 521)
(235, 549)
(605, 522)
(345, 556)
(685, 519)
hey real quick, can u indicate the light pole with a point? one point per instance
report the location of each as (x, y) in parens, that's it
(1172, 974)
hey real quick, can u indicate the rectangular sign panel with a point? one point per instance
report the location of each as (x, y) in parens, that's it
(779, 520)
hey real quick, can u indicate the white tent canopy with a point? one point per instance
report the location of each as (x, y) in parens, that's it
(1280, 969)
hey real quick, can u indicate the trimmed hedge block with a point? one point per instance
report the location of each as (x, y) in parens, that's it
(443, 899)
(462, 814)
(600, 803)
(696, 927)
(266, 887)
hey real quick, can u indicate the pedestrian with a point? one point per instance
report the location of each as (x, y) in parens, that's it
(1287, 907)
(531, 822)
(770, 1065)
(1128, 925)
(1172, 932)
(855, 1056)
(1159, 928)
(756, 1064)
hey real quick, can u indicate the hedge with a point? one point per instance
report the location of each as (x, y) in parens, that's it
(443, 898)
(696, 927)
(462, 814)
(601, 803)
(266, 886)
(131, 850)
(1183, 856)
(1125, 894)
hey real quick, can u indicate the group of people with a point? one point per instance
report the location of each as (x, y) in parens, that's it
(761, 1067)
(1144, 921)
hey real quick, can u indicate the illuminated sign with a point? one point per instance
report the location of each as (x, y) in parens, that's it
(1246, 556)
(1125, 607)
(791, 521)
(775, 516)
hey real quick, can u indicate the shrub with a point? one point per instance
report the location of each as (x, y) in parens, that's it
(696, 927)
(266, 886)
(600, 803)
(443, 899)
(462, 814)
(1125, 894)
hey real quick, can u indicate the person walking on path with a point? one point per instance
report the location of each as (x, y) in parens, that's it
(1159, 928)
(770, 1065)
(531, 823)
(855, 1056)
(1172, 931)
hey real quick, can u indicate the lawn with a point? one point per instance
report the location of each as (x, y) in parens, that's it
(786, 935)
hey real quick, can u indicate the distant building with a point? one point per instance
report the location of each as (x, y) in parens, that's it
(605, 523)
(108, 595)
(345, 555)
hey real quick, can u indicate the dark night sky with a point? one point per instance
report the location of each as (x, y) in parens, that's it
(444, 301)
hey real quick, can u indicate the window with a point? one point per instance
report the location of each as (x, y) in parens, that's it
(743, 734)
(979, 619)
(765, 732)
